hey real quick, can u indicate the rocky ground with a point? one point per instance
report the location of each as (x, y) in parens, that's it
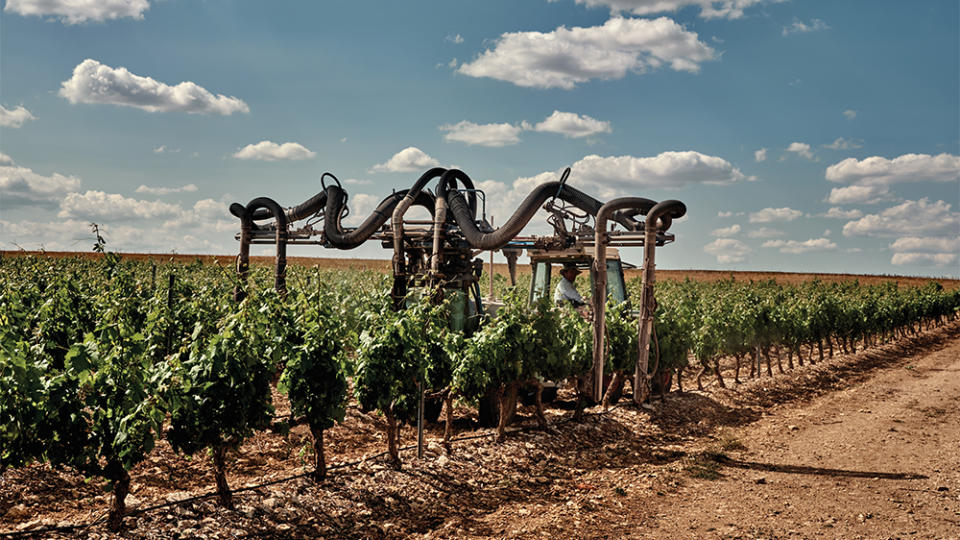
(861, 446)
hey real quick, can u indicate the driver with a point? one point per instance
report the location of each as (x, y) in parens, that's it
(566, 291)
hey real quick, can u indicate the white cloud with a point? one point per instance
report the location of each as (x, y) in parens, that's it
(769, 215)
(728, 250)
(79, 11)
(616, 175)
(925, 250)
(14, 118)
(880, 171)
(271, 151)
(801, 149)
(726, 231)
(926, 244)
(361, 206)
(730, 9)
(494, 135)
(858, 195)
(566, 57)
(850, 114)
(572, 125)
(843, 144)
(839, 213)
(917, 218)
(410, 159)
(797, 247)
(98, 205)
(166, 190)
(923, 259)
(20, 186)
(800, 27)
(357, 182)
(93, 82)
(765, 232)
(458, 39)
(760, 155)
(724, 214)
(162, 149)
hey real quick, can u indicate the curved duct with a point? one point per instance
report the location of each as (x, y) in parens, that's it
(336, 199)
(465, 216)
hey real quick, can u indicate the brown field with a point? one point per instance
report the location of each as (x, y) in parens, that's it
(383, 265)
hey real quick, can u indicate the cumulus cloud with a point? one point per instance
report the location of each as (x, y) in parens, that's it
(79, 11)
(770, 215)
(800, 149)
(760, 155)
(797, 247)
(910, 218)
(93, 82)
(709, 9)
(162, 149)
(410, 159)
(458, 39)
(566, 57)
(880, 171)
(726, 231)
(858, 195)
(839, 213)
(494, 135)
(923, 259)
(800, 27)
(20, 186)
(843, 144)
(615, 175)
(14, 118)
(101, 206)
(926, 244)
(271, 151)
(850, 114)
(572, 125)
(166, 190)
(361, 206)
(728, 250)
(764, 232)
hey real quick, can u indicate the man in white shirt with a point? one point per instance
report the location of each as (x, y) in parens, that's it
(566, 291)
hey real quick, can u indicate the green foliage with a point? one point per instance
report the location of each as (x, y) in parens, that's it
(313, 377)
(395, 351)
(220, 385)
(520, 344)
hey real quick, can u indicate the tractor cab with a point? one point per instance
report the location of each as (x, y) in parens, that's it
(543, 264)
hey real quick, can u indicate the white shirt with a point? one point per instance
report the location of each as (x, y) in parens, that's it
(566, 292)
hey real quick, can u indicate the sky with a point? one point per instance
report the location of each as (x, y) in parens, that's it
(809, 136)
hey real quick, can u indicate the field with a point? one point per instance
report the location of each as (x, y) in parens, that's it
(124, 374)
(383, 265)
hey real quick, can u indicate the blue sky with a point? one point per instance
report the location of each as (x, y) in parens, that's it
(803, 136)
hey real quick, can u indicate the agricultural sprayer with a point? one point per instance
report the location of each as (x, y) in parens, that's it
(443, 252)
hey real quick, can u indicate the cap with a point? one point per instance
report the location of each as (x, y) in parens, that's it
(570, 266)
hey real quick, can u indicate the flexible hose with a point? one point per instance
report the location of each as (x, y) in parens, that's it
(499, 237)
(336, 199)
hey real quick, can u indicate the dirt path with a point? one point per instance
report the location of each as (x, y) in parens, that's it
(880, 459)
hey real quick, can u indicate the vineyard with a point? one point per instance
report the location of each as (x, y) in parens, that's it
(103, 362)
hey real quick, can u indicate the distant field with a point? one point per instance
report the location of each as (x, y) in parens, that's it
(384, 266)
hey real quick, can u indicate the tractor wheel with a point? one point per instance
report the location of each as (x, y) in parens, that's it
(488, 411)
(661, 382)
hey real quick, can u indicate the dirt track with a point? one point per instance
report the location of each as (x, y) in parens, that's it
(880, 459)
